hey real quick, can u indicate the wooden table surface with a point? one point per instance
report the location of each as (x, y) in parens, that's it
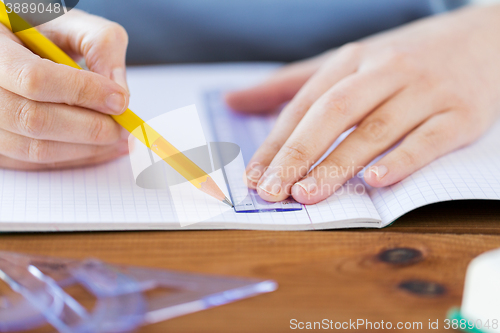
(412, 271)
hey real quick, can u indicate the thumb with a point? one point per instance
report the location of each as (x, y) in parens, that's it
(102, 43)
(279, 88)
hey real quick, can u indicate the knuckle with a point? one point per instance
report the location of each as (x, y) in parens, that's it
(452, 98)
(30, 80)
(433, 139)
(97, 130)
(273, 146)
(337, 105)
(31, 119)
(268, 150)
(120, 33)
(348, 53)
(407, 157)
(427, 82)
(298, 106)
(352, 49)
(374, 130)
(113, 32)
(402, 60)
(38, 150)
(83, 88)
(467, 116)
(296, 152)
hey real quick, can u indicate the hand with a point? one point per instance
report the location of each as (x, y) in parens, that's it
(435, 84)
(54, 116)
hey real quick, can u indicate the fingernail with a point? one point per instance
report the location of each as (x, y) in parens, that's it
(379, 171)
(271, 184)
(255, 172)
(116, 103)
(309, 184)
(124, 134)
(119, 76)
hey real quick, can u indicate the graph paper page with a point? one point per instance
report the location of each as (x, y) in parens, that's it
(472, 172)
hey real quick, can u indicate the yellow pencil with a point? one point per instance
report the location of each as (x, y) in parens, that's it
(45, 48)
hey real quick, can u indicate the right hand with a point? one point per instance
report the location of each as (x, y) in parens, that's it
(54, 116)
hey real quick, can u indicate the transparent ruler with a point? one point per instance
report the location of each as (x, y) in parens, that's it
(248, 132)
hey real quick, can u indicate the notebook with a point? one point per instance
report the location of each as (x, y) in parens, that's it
(107, 197)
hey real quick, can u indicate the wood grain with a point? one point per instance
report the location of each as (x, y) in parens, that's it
(333, 275)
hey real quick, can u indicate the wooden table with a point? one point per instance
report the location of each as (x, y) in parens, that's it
(412, 271)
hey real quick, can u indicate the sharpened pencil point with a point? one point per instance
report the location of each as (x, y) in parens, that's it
(228, 202)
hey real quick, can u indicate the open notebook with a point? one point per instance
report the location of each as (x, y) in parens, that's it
(106, 197)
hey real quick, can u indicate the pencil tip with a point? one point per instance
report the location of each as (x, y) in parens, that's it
(228, 202)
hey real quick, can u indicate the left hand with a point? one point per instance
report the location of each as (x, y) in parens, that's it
(435, 83)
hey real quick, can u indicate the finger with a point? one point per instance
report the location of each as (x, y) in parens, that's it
(27, 75)
(439, 135)
(10, 163)
(279, 88)
(41, 151)
(341, 107)
(344, 63)
(57, 122)
(102, 43)
(376, 133)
